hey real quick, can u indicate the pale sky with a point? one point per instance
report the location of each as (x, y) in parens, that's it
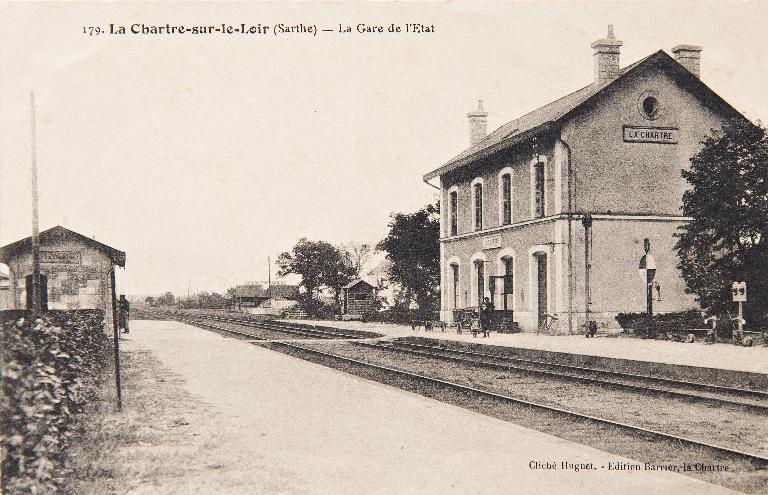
(202, 155)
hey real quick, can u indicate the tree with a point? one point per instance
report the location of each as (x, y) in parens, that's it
(320, 265)
(357, 255)
(166, 299)
(728, 202)
(413, 247)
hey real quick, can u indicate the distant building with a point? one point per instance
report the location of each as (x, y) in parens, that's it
(265, 299)
(75, 272)
(514, 204)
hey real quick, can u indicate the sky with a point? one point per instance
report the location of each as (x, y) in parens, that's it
(201, 156)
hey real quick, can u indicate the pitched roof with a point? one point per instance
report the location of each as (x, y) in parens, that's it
(57, 233)
(550, 115)
(356, 282)
(280, 291)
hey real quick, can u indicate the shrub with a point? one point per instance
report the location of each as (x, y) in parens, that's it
(51, 367)
(664, 322)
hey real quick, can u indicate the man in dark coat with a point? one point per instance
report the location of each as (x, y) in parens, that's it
(124, 313)
(486, 314)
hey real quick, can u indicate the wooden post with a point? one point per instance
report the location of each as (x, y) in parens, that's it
(37, 296)
(649, 295)
(116, 339)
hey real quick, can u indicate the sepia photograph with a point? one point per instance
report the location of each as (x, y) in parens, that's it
(383, 247)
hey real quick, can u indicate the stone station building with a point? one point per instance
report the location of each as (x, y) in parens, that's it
(514, 202)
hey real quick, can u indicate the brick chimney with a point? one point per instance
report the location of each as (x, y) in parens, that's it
(689, 56)
(478, 124)
(606, 57)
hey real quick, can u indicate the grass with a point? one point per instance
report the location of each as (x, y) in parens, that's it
(149, 442)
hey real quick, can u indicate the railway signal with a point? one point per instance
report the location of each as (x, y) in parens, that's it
(647, 270)
(739, 295)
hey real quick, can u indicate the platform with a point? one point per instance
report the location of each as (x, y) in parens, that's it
(284, 425)
(697, 354)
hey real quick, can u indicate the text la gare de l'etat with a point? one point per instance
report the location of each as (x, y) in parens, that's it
(259, 29)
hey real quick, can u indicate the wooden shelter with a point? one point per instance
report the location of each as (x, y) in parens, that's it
(358, 298)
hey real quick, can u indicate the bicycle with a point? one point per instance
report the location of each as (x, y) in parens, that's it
(546, 325)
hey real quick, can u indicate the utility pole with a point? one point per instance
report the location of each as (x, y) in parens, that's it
(116, 339)
(269, 276)
(37, 296)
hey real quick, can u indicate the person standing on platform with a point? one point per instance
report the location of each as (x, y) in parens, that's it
(124, 314)
(486, 314)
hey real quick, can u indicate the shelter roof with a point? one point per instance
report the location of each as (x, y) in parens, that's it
(57, 234)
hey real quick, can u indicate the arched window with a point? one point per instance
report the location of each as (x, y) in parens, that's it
(480, 277)
(455, 284)
(505, 196)
(505, 268)
(506, 199)
(477, 201)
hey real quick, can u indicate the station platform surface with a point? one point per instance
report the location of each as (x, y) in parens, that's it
(719, 356)
(284, 425)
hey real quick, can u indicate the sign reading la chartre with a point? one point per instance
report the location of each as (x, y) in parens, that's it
(66, 257)
(663, 135)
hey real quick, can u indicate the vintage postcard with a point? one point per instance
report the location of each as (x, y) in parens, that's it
(383, 247)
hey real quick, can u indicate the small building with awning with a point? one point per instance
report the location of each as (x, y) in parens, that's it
(75, 272)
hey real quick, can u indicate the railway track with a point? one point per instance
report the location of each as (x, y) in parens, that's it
(691, 391)
(298, 330)
(755, 460)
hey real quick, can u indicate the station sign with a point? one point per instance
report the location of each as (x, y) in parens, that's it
(492, 242)
(61, 257)
(739, 291)
(639, 134)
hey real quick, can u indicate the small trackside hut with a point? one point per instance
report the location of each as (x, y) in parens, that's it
(358, 299)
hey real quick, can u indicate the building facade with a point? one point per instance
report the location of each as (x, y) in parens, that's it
(518, 202)
(76, 272)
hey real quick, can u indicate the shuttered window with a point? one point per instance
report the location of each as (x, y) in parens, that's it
(478, 207)
(455, 270)
(539, 184)
(480, 272)
(454, 213)
(506, 199)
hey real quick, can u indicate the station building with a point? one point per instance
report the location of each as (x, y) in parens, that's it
(76, 272)
(513, 204)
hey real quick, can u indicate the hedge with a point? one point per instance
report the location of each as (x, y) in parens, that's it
(51, 367)
(680, 321)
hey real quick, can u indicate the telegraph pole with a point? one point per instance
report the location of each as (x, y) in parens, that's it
(37, 296)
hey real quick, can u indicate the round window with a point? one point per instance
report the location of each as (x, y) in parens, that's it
(649, 106)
